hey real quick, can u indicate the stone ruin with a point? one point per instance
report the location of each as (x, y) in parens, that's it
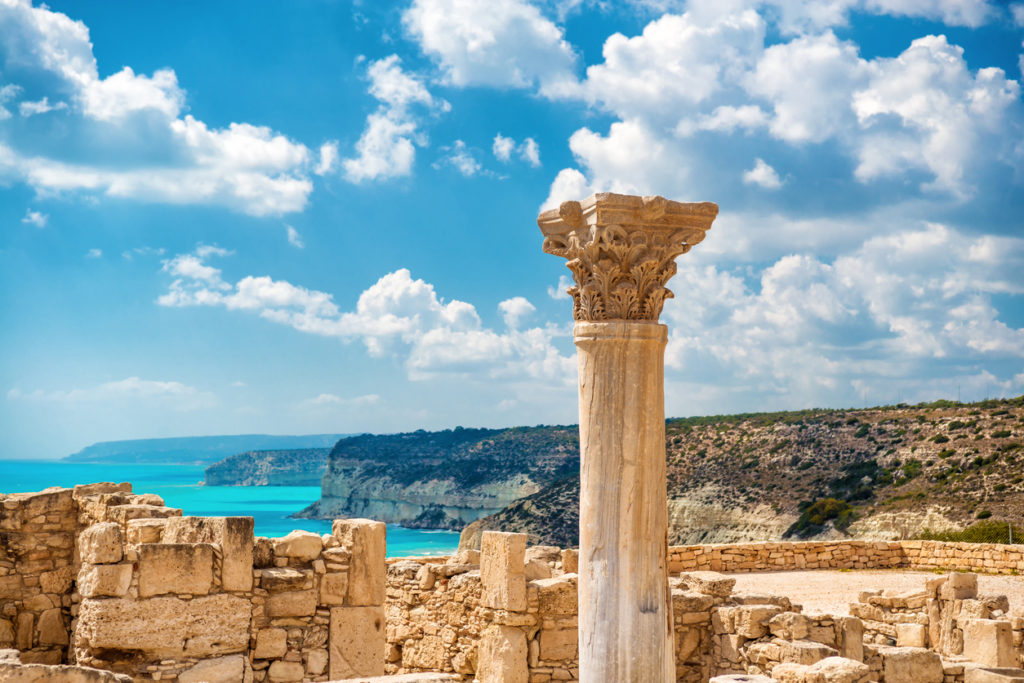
(101, 585)
(99, 577)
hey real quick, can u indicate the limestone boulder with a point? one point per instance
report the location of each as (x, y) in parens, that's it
(804, 652)
(789, 626)
(974, 674)
(959, 587)
(989, 642)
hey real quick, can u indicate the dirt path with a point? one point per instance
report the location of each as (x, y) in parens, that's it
(830, 592)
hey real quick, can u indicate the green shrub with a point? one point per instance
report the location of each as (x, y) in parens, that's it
(1001, 434)
(940, 438)
(983, 514)
(988, 531)
(814, 517)
(861, 432)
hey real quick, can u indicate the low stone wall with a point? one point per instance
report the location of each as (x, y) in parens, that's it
(848, 554)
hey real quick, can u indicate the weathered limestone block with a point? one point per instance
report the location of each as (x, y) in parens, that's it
(57, 581)
(333, 588)
(166, 627)
(503, 653)
(837, 670)
(804, 651)
(427, 652)
(235, 537)
(6, 633)
(959, 587)
(230, 669)
(301, 546)
(15, 672)
(910, 665)
(558, 644)
(271, 643)
(291, 604)
(285, 578)
(910, 635)
(23, 637)
(752, 620)
(104, 580)
(850, 633)
(366, 540)
(708, 583)
(123, 513)
(101, 543)
(989, 675)
(357, 641)
(570, 560)
(316, 662)
(989, 642)
(145, 530)
(503, 570)
(536, 569)
(285, 672)
(180, 568)
(789, 626)
(51, 629)
(557, 596)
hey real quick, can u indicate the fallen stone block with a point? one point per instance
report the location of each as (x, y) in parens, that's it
(910, 635)
(977, 674)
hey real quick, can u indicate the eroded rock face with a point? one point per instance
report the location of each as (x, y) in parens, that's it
(167, 627)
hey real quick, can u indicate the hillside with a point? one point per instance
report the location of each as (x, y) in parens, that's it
(297, 467)
(888, 472)
(194, 449)
(442, 479)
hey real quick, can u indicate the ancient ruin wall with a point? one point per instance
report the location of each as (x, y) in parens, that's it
(100, 577)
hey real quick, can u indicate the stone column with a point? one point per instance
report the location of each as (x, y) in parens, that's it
(621, 251)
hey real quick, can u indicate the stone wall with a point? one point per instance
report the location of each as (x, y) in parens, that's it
(848, 554)
(99, 577)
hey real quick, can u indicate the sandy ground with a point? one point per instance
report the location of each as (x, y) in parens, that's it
(830, 592)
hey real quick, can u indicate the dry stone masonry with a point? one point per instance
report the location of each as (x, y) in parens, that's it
(98, 578)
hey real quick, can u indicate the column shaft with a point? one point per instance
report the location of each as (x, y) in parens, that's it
(625, 620)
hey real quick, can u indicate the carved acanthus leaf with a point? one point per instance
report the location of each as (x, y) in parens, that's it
(622, 269)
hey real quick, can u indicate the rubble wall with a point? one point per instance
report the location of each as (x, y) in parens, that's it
(848, 554)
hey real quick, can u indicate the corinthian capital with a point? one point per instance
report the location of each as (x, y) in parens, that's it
(622, 249)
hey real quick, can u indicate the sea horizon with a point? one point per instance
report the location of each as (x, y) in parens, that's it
(181, 486)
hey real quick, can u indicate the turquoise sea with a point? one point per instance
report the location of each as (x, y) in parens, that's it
(180, 487)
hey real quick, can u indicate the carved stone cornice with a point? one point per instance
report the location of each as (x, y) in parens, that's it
(621, 250)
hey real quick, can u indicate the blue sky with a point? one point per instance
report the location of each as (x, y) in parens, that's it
(320, 216)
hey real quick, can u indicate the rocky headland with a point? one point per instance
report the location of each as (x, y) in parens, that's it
(882, 473)
(296, 467)
(442, 480)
